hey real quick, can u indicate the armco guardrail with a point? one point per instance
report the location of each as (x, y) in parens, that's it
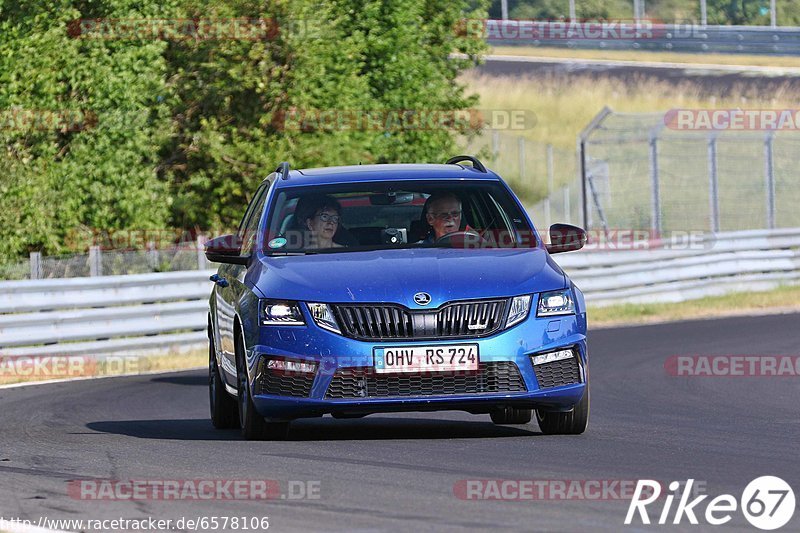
(727, 262)
(682, 37)
(148, 312)
(104, 315)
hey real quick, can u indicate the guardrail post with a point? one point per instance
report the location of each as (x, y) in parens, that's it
(95, 261)
(769, 175)
(550, 171)
(655, 223)
(713, 183)
(36, 265)
(201, 253)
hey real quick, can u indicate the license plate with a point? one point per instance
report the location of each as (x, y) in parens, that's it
(442, 358)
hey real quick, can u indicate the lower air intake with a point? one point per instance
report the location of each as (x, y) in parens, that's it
(490, 377)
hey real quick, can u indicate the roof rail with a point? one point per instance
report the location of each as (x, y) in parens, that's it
(474, 160)
(283, 170)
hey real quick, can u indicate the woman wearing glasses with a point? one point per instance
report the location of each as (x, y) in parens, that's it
(319, 216)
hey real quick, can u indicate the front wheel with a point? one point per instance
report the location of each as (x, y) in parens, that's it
(254, 427)
(572, 423)
(224, 411)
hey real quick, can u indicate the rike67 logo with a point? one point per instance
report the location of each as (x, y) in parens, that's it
(767, 503)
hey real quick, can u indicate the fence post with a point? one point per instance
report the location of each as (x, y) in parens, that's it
(713, 184)
(550, 171)
(655, 223)
(769, 174)
(36, 265)
(95, 261)
(584, 192)
(521, 148)
(152, 256)
(495, 144)
(201, 252)
(596, 122)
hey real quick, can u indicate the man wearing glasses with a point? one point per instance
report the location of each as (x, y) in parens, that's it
(443, 214)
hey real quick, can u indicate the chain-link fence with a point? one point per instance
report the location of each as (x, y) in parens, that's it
(648, 171)
(543, 176)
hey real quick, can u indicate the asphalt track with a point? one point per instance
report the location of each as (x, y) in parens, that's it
(712, 80)
(398, 472)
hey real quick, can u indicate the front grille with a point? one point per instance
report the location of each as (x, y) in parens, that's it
(558, 373)
(470, 318)
(281, 383)
(490, 377)
(374, 321)
(451, 321)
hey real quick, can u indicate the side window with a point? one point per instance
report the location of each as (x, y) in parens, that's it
(249, 226)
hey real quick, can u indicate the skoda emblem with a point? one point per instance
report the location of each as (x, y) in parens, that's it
(422, 298)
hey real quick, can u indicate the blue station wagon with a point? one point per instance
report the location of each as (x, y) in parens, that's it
(370, 289)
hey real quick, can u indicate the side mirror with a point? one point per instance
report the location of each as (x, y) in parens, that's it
(566, 238)
(226, 249)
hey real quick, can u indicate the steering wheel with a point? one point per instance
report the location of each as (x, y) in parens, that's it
(461, 239)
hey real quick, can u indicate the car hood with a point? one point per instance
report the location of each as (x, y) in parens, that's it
(396, 275)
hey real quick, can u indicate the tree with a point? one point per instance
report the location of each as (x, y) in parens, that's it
(180, 130)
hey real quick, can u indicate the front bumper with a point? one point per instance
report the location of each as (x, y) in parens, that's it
(332, 353)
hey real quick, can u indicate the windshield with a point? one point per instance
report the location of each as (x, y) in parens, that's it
(413, 214)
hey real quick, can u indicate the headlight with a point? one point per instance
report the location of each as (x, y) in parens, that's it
(520, 307)
(281, 313)
(323, 317)
(555, 303)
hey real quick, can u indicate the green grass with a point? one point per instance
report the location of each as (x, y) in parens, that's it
(782, 299)
(650, 56)
(563, 108)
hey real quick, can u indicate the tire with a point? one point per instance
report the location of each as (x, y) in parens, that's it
(572, 423)
(511, 415)
(224, 411)
(253, 425)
